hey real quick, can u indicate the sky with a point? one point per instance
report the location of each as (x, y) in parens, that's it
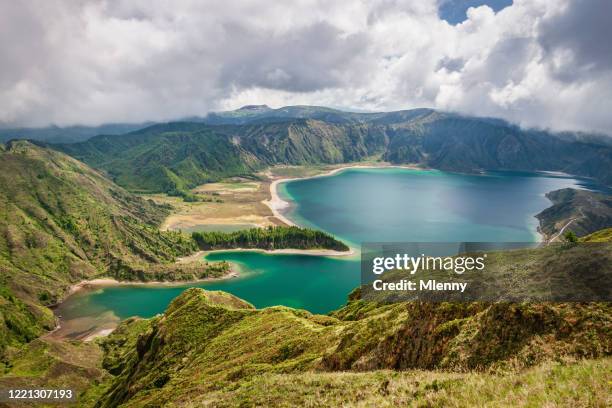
(537, 63)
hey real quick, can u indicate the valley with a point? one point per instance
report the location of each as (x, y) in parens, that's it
(306, 204)
(347, 204)
(154, 223)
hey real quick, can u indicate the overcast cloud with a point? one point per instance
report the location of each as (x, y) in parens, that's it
(538, 63)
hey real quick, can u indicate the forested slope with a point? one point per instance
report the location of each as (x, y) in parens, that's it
(175, 157)
(61, 222)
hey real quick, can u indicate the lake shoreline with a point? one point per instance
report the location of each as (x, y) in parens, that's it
(276, 204)
(93, 284)
(101, 282)
(287, 251)
(279, 205)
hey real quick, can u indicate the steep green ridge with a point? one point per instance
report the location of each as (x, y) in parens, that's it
(269, 238)
(62, 222)
(174, 157)
(582, 211)
(210, 347)
(169, 158)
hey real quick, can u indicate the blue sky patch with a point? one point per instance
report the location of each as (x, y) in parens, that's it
(454, 11)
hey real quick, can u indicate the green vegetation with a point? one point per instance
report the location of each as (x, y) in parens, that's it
(558, 384)
(604, 235)
(212, 348)
(268, 238)
(582, 211)
(62, 222)
(570, 236)
(169, 158)
(176, 157)
(47, 363)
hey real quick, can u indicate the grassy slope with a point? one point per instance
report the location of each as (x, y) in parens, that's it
(210, 347)
(580, 384)
(47, 363)
(604, 235)
(587, 211)
(61, 222)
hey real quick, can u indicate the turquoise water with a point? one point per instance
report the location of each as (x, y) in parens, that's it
(356, 205)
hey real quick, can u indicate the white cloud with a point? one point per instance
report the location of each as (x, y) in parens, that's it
(537, 62)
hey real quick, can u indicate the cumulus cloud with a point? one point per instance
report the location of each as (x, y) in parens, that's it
(536, 62)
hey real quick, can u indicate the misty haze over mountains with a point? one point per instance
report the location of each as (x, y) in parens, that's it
(246, 114)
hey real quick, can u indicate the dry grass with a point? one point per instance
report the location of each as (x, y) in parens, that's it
(581, 384)
(233, 203)
(237, 201)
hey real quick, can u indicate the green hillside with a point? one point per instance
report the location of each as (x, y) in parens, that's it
(62, 222)
(214, 349)
(581, 211)
(165, 158)
(604, 235)
(210, 346)
(175, 157)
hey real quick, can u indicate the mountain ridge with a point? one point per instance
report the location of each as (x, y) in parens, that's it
(177, 156)
(251, 113)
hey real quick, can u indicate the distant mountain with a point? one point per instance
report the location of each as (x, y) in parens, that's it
(176, 156)
(263, 113)
(69, 134)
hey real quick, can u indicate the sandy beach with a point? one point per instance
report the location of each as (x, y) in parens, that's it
(277, 204)
(313, 252)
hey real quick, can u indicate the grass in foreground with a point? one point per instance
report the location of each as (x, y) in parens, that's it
(553, 384)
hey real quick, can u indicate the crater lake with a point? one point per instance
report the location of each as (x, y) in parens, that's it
(355, 205)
